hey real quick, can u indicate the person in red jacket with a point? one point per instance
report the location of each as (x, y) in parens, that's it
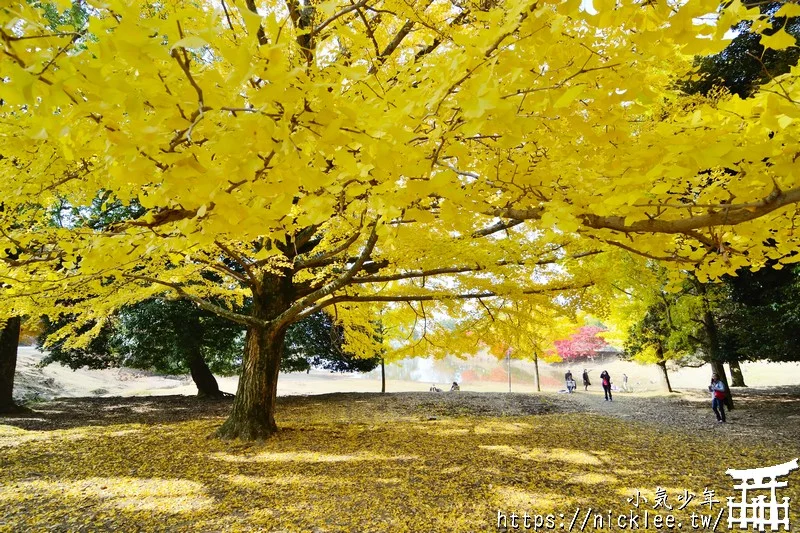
(717, 390)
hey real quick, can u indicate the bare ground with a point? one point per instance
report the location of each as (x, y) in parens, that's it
(767, 414)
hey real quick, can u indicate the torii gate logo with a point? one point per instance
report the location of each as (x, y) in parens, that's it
(757, 511)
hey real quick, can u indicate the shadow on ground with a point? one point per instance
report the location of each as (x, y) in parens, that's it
(370, 462)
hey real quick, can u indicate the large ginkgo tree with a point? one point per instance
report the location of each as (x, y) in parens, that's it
(341, 155)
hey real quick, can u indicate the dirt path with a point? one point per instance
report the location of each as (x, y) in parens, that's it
(760, 413)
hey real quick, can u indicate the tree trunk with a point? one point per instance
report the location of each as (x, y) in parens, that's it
(9, 340)
(712, 345)
(719, 369)
(737, 378)
(536, 372)
(663, 366)
(383, 377)
(253, 414)
(207, 386)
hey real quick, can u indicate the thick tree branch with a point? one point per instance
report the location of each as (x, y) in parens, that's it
(729, 216)
(411, 274)
(244, 263)
(300, 305)
(499, 226)
(433, 297)
(446, 296)
(202, 304)
(325, 258)
(438, 40)
(260, 35)
(414, 274)
(392, 46)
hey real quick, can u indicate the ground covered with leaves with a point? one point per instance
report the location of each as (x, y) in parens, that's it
(396, 462)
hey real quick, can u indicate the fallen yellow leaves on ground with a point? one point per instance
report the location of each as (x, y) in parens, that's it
(348, 466)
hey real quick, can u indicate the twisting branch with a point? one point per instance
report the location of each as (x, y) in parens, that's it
(300, 305)
(645, 254)
(202, 304)
(361, 298)
(326, 257)
(244, 263)
(343, 12)
(370, 31)
(499, 226)
(228, 17)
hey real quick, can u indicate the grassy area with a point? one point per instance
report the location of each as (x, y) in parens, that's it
(408, 462)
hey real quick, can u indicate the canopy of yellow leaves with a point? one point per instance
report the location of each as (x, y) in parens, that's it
(239, 125)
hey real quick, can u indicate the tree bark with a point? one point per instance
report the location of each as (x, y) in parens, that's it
(536, 372)
(207, 386)
(712, 346)
(737, 378)
(9, 340)
(662, 364)
(383, 377)
(253, 413)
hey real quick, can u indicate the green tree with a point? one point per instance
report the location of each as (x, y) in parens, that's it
(665, 332)
(167, 336)
(176, 337)
(318, 341)
(746, 63)
(761, 317)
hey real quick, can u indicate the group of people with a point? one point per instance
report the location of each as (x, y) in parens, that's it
(453, 387)
(605, 380)
(716, 388)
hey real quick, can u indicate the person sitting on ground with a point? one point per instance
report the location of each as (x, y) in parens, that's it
(455, 386)
(434, 388)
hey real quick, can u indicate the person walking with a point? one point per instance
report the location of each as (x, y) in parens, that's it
(717, 390)
(586, 380)
(605, 379)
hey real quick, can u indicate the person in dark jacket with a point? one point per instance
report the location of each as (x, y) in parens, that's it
(570, 381)
(586, 380)
(605, 379)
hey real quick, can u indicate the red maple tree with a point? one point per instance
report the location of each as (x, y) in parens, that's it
(582, 344)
